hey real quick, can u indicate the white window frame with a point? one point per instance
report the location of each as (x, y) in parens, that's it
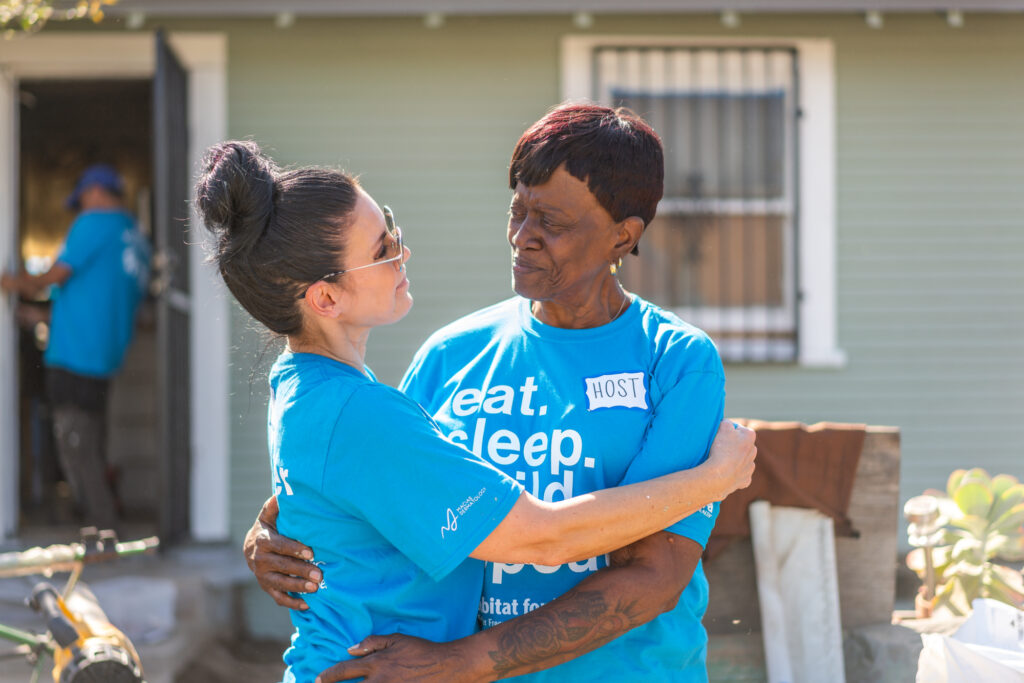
(816, 219)
(129, 55)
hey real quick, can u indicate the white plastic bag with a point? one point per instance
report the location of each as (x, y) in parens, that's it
(988, 646)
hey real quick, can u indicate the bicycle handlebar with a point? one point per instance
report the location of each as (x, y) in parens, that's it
(66, 557)
(46, 601)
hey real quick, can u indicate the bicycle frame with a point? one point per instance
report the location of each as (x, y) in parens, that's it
(71, 558)
(29, 645)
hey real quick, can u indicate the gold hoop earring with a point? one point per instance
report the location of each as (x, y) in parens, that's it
(614, 268)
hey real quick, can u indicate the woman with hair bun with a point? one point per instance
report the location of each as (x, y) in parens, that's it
(391, 509)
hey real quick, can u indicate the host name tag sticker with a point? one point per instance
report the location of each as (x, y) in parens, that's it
(621, 390)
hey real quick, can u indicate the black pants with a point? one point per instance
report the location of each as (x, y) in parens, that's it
(80, 431)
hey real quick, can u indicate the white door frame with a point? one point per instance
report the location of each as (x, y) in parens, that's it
(128, 55)
(9, 412)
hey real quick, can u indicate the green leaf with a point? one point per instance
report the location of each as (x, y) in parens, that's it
(1011, 578)
(952, 536)
(942, 556)
(949, 509)
(953, 483)
(996, 544)
(964, 569)
(1006, 585)
(972, 524)
(999, 593)
(944, 598)
(948, 572)
(915, 562)
(1001, 482)
(971, 586)
(966, 547)
(974, 498)
(967, 556)
(1009, 523)
(1012, 550)
(978, 474)
(1006, 500)
(954, 596)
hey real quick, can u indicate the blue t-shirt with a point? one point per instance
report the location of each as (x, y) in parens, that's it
(567, 412)
(390, 508)
(92, 320)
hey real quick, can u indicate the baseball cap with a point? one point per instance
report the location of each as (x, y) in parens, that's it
(98, 174)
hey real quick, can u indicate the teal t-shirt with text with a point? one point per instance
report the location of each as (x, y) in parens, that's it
(390, 508)
(571, 411)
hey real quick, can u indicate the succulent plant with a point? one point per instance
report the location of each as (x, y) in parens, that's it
(984, 521)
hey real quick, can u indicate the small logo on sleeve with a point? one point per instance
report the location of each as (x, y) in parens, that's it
(708, 510)
(452, 516)
(452, 523)
(621, 390)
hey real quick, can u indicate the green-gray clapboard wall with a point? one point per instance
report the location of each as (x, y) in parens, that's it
(930, 200)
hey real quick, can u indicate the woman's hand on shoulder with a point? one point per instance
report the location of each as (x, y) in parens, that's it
(731, 460)
(281, 565)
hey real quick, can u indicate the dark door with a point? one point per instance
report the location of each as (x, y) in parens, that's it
(170, 213)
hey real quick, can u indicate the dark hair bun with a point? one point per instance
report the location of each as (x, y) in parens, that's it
(235, 193)
(276, 231)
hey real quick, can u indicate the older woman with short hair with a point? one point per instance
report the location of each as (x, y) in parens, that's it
(569, 387)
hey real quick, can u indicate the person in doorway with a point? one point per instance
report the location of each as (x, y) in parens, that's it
(572, 386)
(100, 277)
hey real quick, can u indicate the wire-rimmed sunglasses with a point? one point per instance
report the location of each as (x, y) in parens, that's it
(393, 231)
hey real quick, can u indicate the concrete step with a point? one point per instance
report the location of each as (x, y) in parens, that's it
(876, 653)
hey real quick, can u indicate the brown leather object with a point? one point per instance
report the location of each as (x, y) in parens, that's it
(797, 466)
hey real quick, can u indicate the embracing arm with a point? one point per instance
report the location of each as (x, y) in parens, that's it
(592, 524)
(281, 565)
(642, 581)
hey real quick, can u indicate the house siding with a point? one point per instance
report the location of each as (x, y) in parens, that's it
(930, 169)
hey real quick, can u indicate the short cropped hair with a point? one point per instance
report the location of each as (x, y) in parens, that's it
(613, 151)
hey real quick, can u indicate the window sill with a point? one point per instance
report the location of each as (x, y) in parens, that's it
(826, 359)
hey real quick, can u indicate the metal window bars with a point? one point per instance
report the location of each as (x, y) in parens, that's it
(722, 251)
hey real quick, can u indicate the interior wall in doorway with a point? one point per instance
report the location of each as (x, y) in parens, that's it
(66, 126)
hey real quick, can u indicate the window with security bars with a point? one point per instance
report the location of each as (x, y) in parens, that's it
(721, 252)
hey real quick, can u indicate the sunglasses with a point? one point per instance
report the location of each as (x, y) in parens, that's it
(395, 245)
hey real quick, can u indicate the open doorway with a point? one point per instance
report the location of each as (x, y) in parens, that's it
(65, 126)
(186, 74)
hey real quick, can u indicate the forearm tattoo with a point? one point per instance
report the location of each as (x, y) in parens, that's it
(576, 623)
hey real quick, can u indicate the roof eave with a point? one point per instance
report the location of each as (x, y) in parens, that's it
(262, 8)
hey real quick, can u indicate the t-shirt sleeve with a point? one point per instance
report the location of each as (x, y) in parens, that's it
(433, 500)
(683, 426)
(82, 245)
(423, 377)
